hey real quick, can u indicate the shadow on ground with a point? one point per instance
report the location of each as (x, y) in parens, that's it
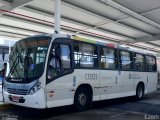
(36, 114)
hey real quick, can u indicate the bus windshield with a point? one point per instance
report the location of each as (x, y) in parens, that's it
(27, 59)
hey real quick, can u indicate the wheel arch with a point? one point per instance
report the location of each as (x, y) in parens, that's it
(86, 86)
(141, 83)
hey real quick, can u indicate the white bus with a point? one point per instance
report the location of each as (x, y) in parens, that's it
(84, 71)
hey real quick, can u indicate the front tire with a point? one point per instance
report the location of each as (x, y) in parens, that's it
(140, 91)
(81, 100)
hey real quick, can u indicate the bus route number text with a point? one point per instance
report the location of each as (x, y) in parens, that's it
(91, 76)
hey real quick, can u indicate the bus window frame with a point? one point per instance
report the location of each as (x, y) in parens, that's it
(66, 41)
(155, 64)
(131, 59)
(97, 50)
(115, 55)
(144, 62)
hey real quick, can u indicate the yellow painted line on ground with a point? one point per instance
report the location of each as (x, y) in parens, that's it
(5, 106)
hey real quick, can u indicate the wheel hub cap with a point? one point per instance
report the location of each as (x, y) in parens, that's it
(82, 99)
(140, 93)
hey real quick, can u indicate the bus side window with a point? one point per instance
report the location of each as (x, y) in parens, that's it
(85, 55)
(139, 62)
(107, 58)
(65, 56)
(86, 59)
(150, 63)
(125, 59)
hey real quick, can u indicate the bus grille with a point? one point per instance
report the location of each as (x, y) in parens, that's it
(17, 91)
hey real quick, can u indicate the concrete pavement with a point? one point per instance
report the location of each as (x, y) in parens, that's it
(116, 109)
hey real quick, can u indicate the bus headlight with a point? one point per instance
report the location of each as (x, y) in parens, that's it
(35, 88)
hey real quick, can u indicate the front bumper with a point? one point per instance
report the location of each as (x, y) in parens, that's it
(37, 100)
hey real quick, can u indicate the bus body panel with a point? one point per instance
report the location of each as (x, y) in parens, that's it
(108, 81)
(104, 85)
(117, 83)
(59, 92)
(63, 89)
(152, 79)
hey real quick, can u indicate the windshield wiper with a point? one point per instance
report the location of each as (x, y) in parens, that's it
(14, 63)
(12, 67)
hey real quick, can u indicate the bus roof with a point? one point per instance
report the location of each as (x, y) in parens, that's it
(111, 45)
(93, 41)
(74, 37)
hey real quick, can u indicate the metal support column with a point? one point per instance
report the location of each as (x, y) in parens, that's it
(57, 16)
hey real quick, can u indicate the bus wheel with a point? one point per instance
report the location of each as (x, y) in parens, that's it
(81, 100)
(140, 91)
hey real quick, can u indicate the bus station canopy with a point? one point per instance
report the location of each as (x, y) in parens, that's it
(131, 23)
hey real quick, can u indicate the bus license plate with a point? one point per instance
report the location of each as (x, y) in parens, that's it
(15, 98)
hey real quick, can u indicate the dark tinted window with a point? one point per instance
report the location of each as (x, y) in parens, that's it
(139, 62)
(150, 63)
